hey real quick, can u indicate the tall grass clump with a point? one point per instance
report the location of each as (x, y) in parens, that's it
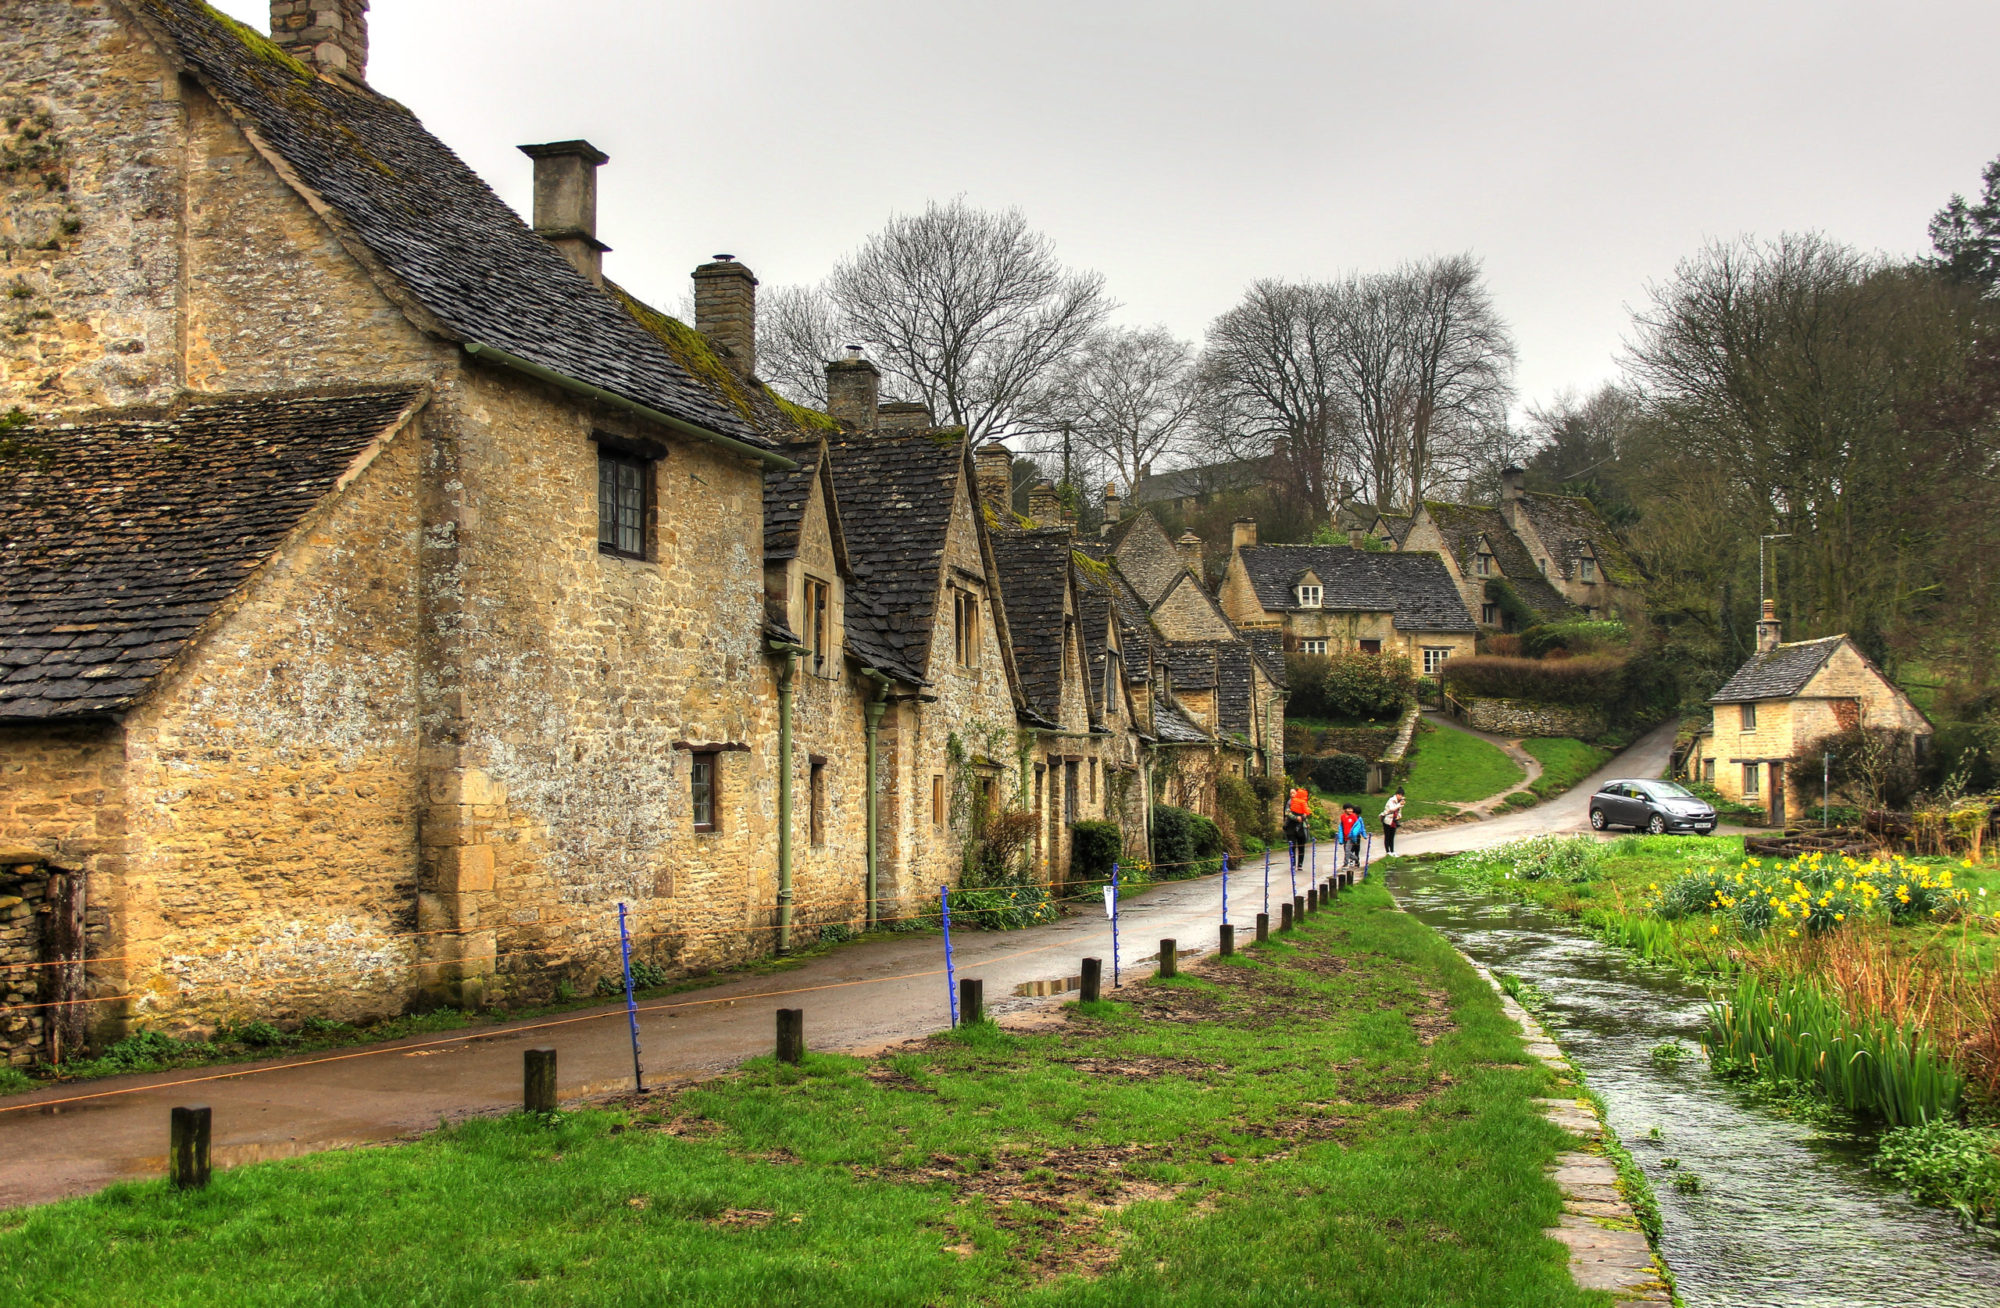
(1799, 1035)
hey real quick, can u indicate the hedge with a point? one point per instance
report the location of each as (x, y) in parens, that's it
(1349, 685)
(1596, 681)
(1094, 847)
(1577, 636)
(1182, 839)
(1337, 774)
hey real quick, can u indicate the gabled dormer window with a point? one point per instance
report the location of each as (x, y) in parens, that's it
(1309, 596)
(1483, 565)
(819, 622)
(1586, 568)
(965, 628)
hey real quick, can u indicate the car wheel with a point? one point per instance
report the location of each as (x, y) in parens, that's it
(1597, 822)
(1658, 826)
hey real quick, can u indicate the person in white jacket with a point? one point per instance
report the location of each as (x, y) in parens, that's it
(1392, 817)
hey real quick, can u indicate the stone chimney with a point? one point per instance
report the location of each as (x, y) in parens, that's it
(330, 36)
(725, 311)
(1513, 485)
(566, 201)
(1243, 536)
(905, 415)
(853, 387)
(1114, 507)
(1044, 505)
(1189, 547)
(994, 464)
(1354, 535)
(1769, 633)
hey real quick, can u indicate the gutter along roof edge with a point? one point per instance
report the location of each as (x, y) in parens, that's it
(770, 458)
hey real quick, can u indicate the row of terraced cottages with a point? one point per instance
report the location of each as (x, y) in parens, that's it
(388, 596)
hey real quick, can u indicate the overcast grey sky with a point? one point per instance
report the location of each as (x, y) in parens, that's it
(1184, 149)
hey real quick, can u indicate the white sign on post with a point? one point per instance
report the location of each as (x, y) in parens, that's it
(1110, 899)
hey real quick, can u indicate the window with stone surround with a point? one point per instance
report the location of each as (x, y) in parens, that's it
(1708, 771)
(1434, 657)
(965, 627)
(1482, 565)
(624, 492)
(937, 799)
(818, 619)
(1752, 778)
(1586, 569)
(1309, 597)
(1312, 646)
(702, 790)
(1489, 615)
(1749, 712)
(816, 799)
(1371, 646)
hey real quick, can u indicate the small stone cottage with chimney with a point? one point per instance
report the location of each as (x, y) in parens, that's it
(1532, 558)
(1337, 599)
(1788, 696)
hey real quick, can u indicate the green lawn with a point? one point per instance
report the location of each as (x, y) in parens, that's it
(1447, 768)
(1345, 1116)
(1564, 763)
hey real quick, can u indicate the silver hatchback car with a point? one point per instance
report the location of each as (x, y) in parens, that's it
(1655, 806)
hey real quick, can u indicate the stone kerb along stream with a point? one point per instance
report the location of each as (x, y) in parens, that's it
(1785, 1214)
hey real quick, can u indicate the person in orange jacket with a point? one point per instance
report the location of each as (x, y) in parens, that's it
(1298, 823)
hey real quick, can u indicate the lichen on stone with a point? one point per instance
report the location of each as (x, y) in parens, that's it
(260, 45)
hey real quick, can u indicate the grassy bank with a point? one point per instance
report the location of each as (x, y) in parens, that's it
(1345, 1116)
(1448, 768)
(1854, 987)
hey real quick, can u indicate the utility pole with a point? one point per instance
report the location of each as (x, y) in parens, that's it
(1761, 593)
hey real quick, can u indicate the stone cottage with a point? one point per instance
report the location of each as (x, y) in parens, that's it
(1532, 558)
(1337, 599)
(1788, 696)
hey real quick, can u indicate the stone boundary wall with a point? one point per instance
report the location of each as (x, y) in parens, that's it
(41, 922)
(1382, 772)
(1522, 718)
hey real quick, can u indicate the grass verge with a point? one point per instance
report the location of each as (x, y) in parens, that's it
(1341, 1116)
(1564, 763)
(1447, 768)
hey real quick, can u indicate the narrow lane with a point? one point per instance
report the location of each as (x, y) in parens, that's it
(858, 998)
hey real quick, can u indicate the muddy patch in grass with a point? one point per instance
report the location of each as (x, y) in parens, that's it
(1434, 1018)
(1139, 1066)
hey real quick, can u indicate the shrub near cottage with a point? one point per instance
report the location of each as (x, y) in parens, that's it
(1185, 844)
(1349, 686)
(1590, 682)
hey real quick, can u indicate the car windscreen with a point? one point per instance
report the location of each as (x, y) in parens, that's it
(1668, 790)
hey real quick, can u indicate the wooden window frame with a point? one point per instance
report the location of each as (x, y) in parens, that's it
(1318, 594)
(816, 800)
(965, 628)
(706, 762)
(1746, 717)
(1586, 569)
(1708, 771)
(938, 806)
(1482, 565)
(1434, 659)
(612, 534)
(1753, 779)
(818, 601)
(1369, 645)
(1306, 644)
(1489, 615)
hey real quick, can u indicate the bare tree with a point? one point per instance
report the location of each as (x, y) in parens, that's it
(1458, 360)
(1371, 331)
(798, 330)
(968, 309)
(1129, 396)
(1269, 379)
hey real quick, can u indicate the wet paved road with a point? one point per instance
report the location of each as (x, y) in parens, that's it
(858, 998)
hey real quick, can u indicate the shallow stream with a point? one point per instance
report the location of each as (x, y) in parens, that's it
(1786, 1215)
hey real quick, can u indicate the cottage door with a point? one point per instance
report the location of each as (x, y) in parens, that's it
(1777, 784)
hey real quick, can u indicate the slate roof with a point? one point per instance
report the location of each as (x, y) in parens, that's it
(896, 491)
(1462, 525)
(1415, 589)
(466, 258)
(1567, 524)
(121, 533)
(1207, 479)
(1397, 525)
(1174, 727)
(787, 491)
(1034, 574)
(1779, 674)
(1269, 643)
(1223, 666)
(1191, 664)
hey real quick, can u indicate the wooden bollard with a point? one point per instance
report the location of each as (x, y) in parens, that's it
(1263, 927)
(1227, 946)
(1093, 980)
(1169, 959)
(1284, 917)
(1312, 899)
(538, 1080)
(189, 1129)
(791, 1035)
(1298, 910)
(971, 1001)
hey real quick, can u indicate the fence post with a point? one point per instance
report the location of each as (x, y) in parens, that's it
(1114, 925)
(1263, 927)
(188, 1132)
(1093, 980)
(1267, 879)
(631, 1003)
(1225, 887)
(1284, 917)
(1312, 899)
(950, 974)
(791, 1035)
(971, 1001)
(1298, 909)
(1169, 959)
(1228, 943)
(538, 1080)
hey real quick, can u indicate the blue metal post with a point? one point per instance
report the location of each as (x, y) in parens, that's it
(1114, 926)
(1225, 890)
(1367, 855)
(950, 974)
(631, 1003)
(1267, 880)
(1293, 861)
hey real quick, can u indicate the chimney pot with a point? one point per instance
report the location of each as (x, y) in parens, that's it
(566, 201)
(1354, 537)
(1770, 633)
(853, 392)
(329, 36)
(725, 311)
(1189, 547)
(905, 415)
(1044, 505)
